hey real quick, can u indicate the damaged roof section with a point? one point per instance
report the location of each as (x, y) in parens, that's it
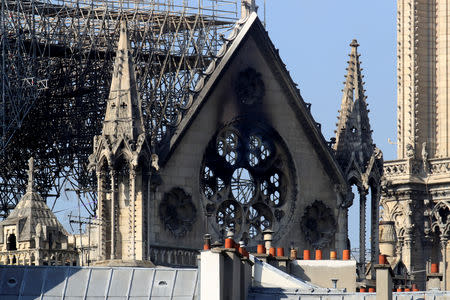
(252, 26)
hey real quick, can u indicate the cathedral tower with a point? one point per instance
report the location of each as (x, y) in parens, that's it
(416, 194)
(121, 161)
(358, 157)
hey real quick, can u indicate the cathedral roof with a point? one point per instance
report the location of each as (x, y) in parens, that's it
(252, 26)
(30, 212)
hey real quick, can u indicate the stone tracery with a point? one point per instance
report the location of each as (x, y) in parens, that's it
(245, 180)
(318, 224)
(177, 212)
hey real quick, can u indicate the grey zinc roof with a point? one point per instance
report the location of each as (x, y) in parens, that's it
(94, 283)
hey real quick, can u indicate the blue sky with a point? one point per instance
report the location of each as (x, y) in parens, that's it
(313, 38)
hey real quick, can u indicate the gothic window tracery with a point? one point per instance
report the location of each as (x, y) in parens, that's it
(177, 212)
(247, 180)
(440, 221)
(318, 224)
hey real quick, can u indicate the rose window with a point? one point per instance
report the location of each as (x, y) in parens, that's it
(242, 186)
(247, 181)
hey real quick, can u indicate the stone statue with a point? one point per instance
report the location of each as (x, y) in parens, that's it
(409, 151)
(425, 157)
(155, 160)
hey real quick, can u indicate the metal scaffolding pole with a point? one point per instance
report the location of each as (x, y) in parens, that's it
(57, 60)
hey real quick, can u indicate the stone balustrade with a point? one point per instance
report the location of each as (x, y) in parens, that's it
(439, 166)
(35, 257)
(434, 166)
(395, 168)
(173, 256)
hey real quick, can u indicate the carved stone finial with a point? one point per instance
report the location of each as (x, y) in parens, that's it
(30, 186)
(354, 43)
(248, 7)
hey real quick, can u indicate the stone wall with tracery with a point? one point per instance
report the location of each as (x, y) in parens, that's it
(247, 181)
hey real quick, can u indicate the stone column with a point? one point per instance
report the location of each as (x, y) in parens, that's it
(407, 250)
(374, 230)
(100, 198)
(342, 219)
(362, 229)
(37, 258)
(133, 211)
(444, 242)
(148, 199)
(113, 213)
(408, 237)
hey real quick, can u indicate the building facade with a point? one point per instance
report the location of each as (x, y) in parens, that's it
(417, 184)
(245, 156)
(32, 235)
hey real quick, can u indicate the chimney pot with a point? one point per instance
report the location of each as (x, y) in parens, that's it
(434, 268)
(260, 249)
(280, 251)
(346, 255)
(207, 242)
(318, 254)
(229, 243)
(272, 251)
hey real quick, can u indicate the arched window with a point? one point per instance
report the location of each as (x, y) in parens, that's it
(11, 245)
(50, 241)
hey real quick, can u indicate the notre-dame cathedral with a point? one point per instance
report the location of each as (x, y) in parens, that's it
(416, 186)
(247, 156)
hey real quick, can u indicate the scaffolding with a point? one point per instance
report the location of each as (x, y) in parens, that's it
(56, 66)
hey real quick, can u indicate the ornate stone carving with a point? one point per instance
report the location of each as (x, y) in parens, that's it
(409, 151)
(247, 181)
(440, 218)
(318, 224)
(395, 168)
(425, 157)
(249, 87)
(177, 212)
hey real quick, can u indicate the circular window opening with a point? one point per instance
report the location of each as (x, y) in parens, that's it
(12, 281)
(246, 181)
(242, 186)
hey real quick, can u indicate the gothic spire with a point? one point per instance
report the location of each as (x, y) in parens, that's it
(123, 112)
(353, 132)
(30, 186)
